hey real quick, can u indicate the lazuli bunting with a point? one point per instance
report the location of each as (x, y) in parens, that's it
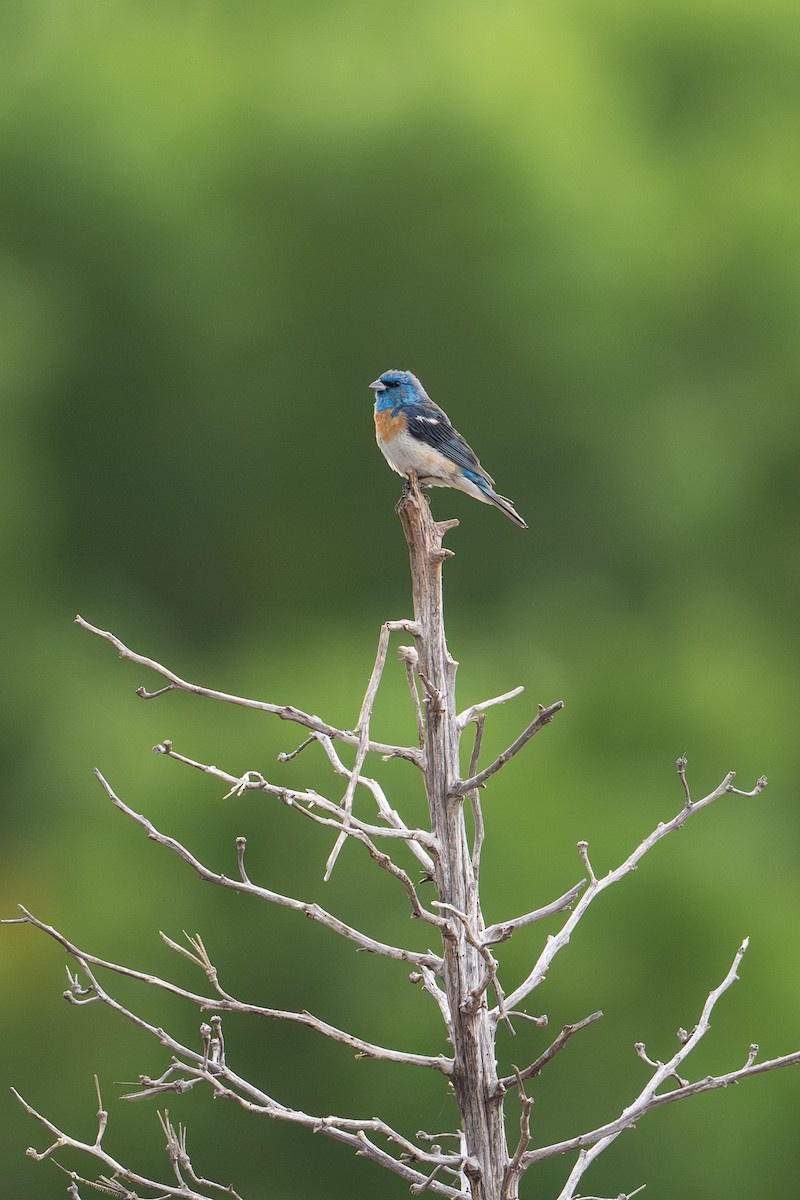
(415, 435)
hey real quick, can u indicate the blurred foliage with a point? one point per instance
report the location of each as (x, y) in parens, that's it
(579, 225)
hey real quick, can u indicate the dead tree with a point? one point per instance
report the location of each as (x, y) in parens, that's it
(461, 978)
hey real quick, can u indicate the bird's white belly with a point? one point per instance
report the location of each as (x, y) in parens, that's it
(405, 453)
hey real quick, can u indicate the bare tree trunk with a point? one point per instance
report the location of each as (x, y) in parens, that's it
(472, 1028)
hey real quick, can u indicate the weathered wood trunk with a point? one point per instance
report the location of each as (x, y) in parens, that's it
(472, 1029)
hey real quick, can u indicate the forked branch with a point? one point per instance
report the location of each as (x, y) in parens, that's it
(286, 712)
(313, 911)
(597, 885)
(362, 728)
(222, 1001)
(595, 1141)
(111, 1183)
(542, 718)
(190, 1066)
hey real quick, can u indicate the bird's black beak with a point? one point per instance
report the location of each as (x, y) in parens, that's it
(378, 385)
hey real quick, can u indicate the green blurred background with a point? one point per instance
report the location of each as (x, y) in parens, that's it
(579, 225)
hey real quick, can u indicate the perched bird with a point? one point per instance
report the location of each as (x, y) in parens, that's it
(415, 435)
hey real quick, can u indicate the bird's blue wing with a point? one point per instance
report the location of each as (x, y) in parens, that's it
(430, 425)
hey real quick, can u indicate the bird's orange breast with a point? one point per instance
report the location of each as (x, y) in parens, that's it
(387, 426)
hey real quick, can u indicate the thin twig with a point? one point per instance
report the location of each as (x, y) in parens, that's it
(410, 657)
(542, 718)
(593, 1143)
(362, 727)
(287, 755)
(254, 781)
(552, 1050)
(598, 885)
(182, 1164)
(305, 803)
(426, 977)
(475, 801)
(504, 929)
(515, 1168)
(313, 911)
(419, 840)
(470, 713)
(228, 1084)
(286, 712)
(583, 850)
(223, 1001)
(619, 1196)
(118, 1171)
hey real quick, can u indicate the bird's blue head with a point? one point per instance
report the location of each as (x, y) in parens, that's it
(396, 389)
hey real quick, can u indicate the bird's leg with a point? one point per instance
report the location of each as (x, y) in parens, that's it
(404, 493)
(407, 488)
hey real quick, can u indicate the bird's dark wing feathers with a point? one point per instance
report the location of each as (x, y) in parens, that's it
(432, 426)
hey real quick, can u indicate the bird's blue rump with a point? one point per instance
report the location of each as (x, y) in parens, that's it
(414, 434)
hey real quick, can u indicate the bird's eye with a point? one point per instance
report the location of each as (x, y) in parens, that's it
(392, 382)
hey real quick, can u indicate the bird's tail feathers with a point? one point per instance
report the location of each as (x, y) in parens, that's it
(480, 487)
(506, 507)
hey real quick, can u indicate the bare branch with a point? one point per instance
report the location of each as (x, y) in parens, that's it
(504, 929)
(515, 1169)
(433, 696)
(583, 850)
(223, 1001)
(418, 839)
(542, 1020)
(761, 783)
(542, 718)
(596, 886)
(469, 714)
(198, 955)
(343, 821)
(552, 1050)
(228, 1084)
(254, 781)
(313, 911)
(410, 657)
(241, 846)
(118, 1172)
(429, 983)
(593, 1143)
(286, 712)
(362, 727)
(475, 801)
(619, 1196)
(287, 755)
(181, 1163)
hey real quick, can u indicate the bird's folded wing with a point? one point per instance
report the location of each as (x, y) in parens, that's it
(435, 430)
